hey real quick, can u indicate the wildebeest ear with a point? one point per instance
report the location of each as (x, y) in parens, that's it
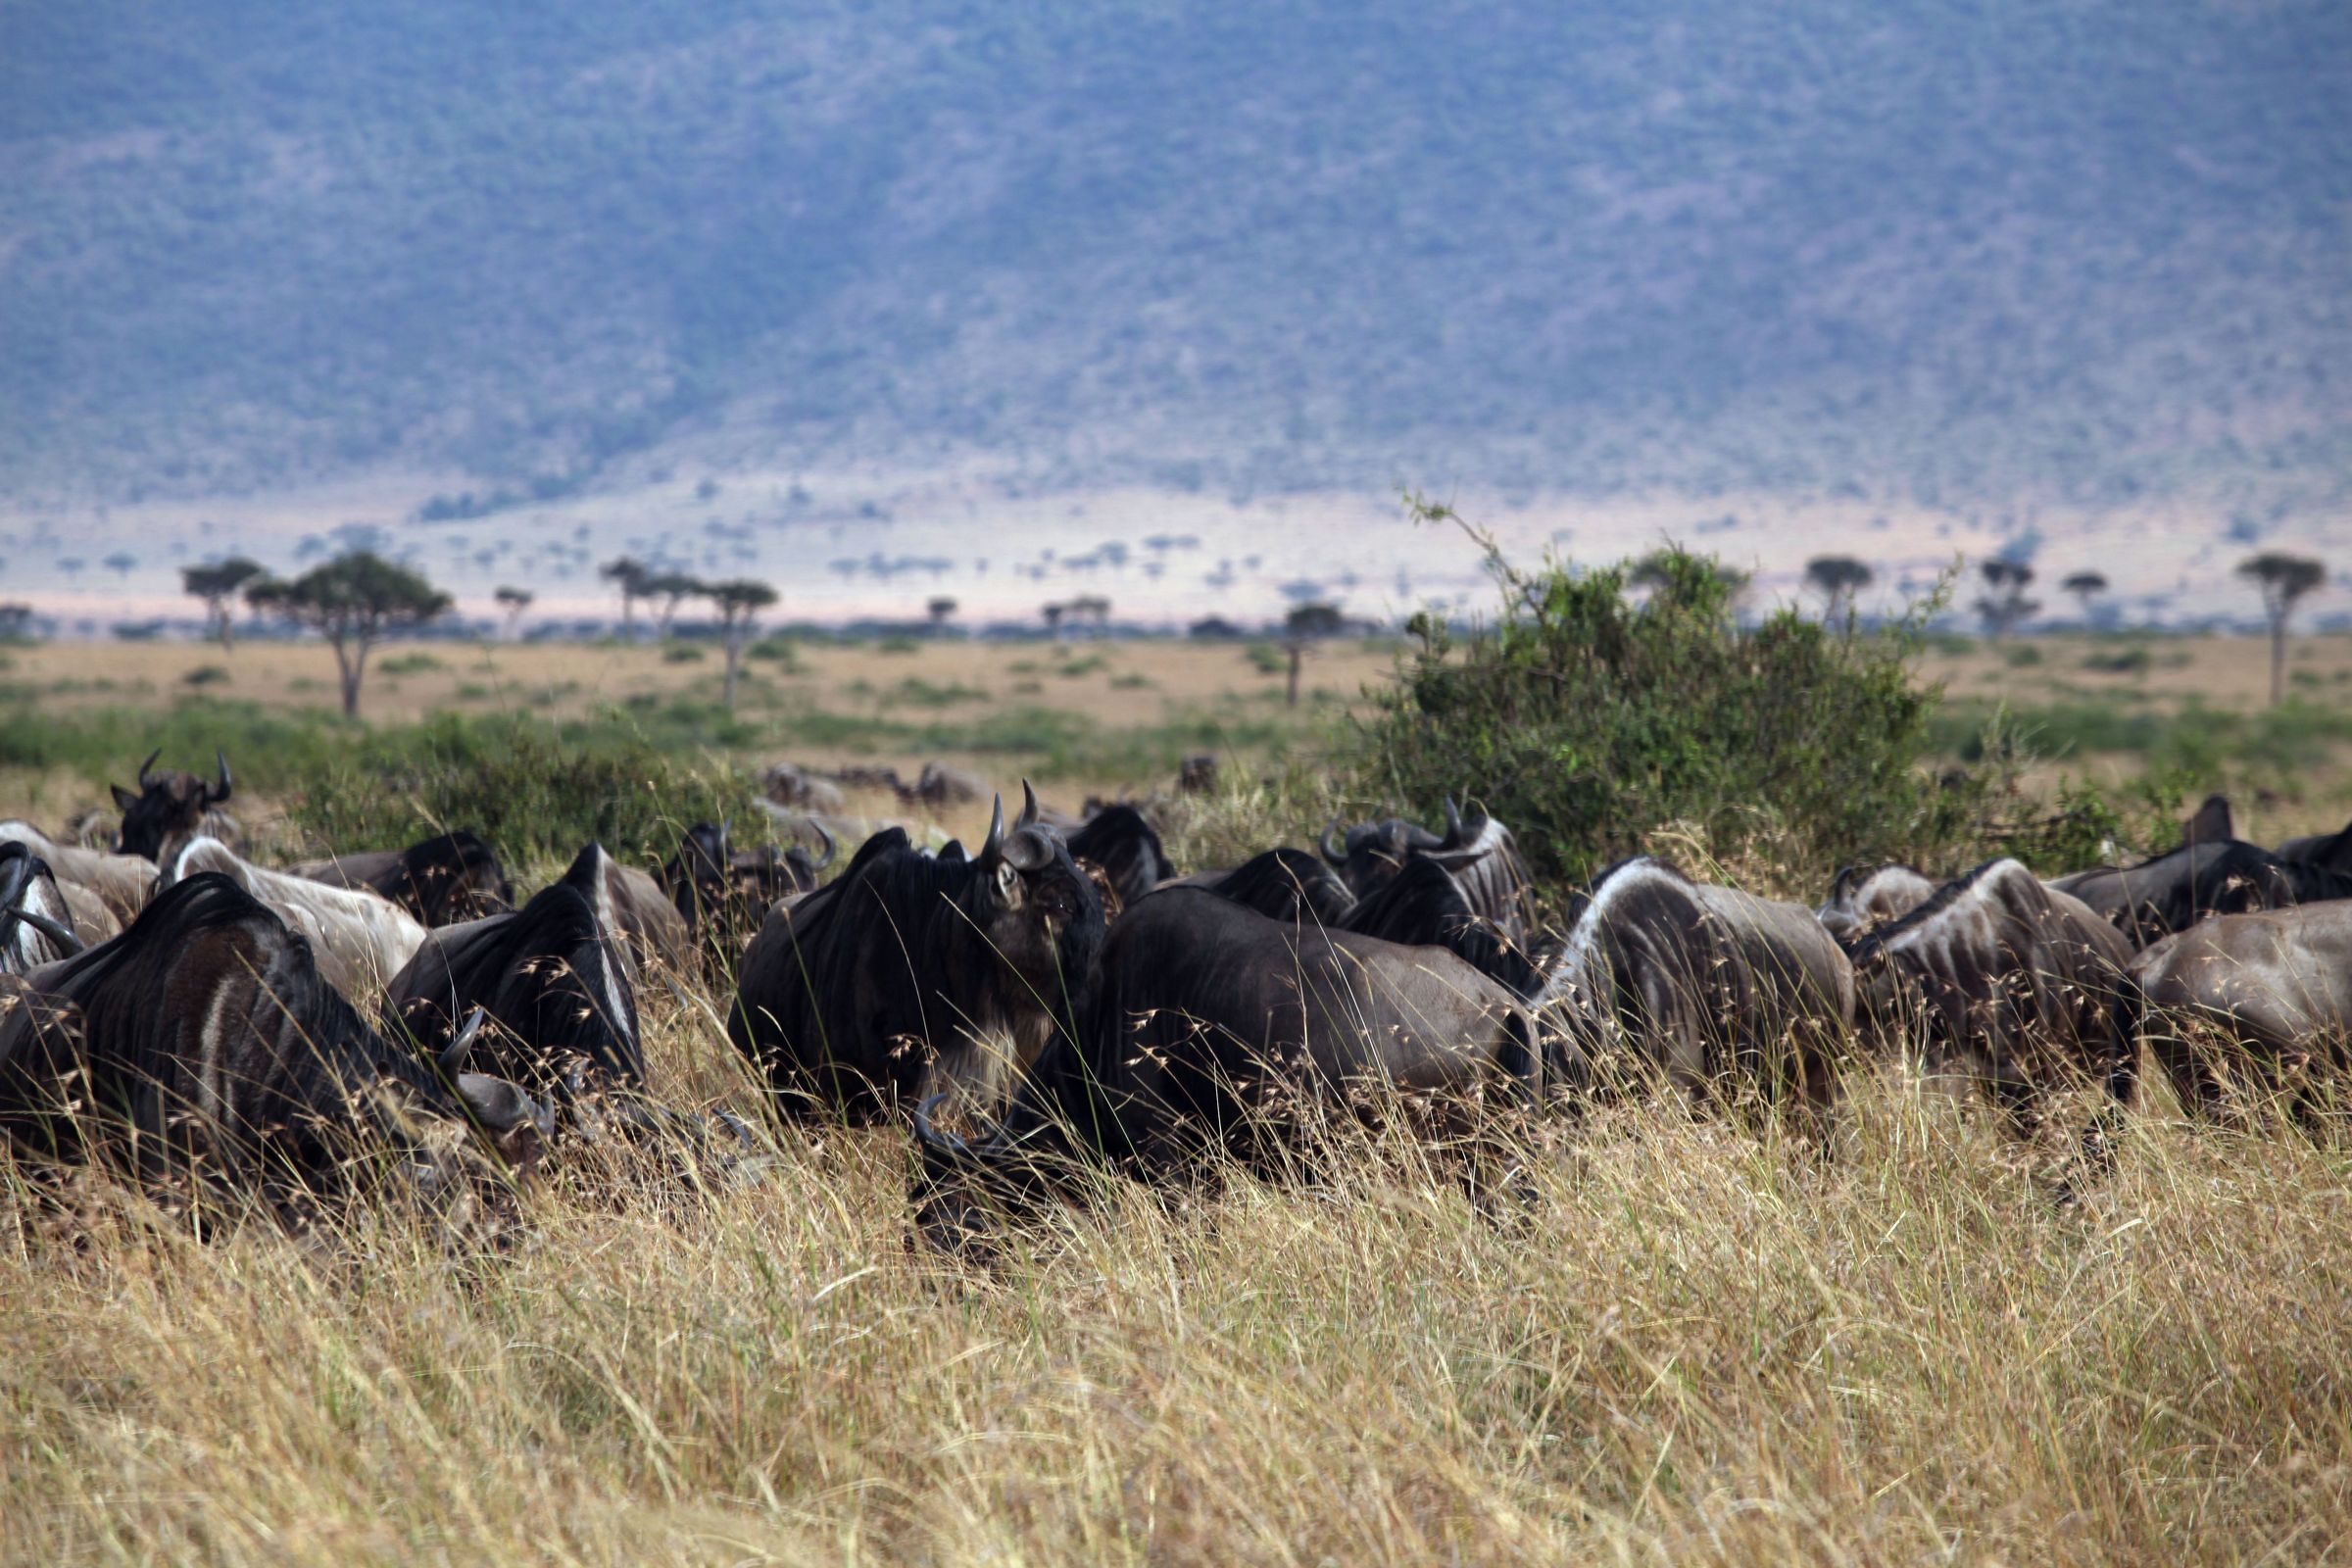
(123, 797)
(2213, 823)
(1029, 850)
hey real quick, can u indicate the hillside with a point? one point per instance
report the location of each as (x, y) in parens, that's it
(1969, 254)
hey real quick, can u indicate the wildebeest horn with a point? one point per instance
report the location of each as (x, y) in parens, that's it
(462, 1045)
(832, 847)
(1337, 857)
(147, 765)
(1454, 823)
(945, 1142)
(221, 789)
(23, 870)
(503, 1106)
(995, 834)
(1028, 816)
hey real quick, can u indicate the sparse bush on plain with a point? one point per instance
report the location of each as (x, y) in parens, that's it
(1587, 718)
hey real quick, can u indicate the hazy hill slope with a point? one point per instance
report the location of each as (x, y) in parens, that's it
(1962, 248)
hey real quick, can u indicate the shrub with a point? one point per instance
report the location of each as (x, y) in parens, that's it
(2132, 661)
(1589, 722)
(2021, 656)
(410, 664)
(1266, 658)
(682, 653)
(206, 675)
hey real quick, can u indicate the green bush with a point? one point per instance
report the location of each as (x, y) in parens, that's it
(1266, 658)
(410, 664)
(1588, 722)
(2021, 656)
(206, 675)
(682, 653)
(2132, 661)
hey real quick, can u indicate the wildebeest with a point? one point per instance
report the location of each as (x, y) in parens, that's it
(1480, 854)
(562, 1013)
(1718, 992)
(445, 879)
(2251, 1005)
(36, 927)
(2009, 982)
(725, 892)
(105, 891)
(2174, 891)
(656, 932)
(1864, 896)
(360, 937)
(1119, 839)
(204, 1041)
(787, 784)
(172, 807)
(2330, 849)
(913, 972)
(1216, 1030)
(942, 784)
(1281, 884)
(1424, 906)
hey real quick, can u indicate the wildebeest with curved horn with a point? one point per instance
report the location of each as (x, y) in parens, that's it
(35, 925)
(2250, 1005)
(1424, 906)
(170, 808)
(913, 972)
(2008, 982)
(442, 880)
(1480, 854)
(105, 892)
(1281, 884)
(724, 893)
(2174, 891)
(203, 1040)
(1214, 1029)
(1718, 992)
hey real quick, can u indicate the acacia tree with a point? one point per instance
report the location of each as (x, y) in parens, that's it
(672, 588)
(631, 576)
(2284, 579)
(940, 610)
(354, 602)
(1053, 614)
(1306, 623)
(2004, 604)
(1837, 579)
(217, 583)
(2084, 586)
(513, 600)
(739, 604)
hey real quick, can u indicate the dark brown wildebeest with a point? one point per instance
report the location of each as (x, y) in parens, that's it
(657, 935)
(1281, 884)
(2330, 849)
(1216, 1031)
(1478, 851)
(788, 784)
(1717, 992)
(2000, 979)
(2245, 1007)
(170, 808)
(445, 879)
(1864, 898)
(201, 1040)
(912, 973)
(723, 893)
(35, 925)
(1423, 905)
(105, 891)
(550, 980)
(1119, 840)
(942, 784)
(2173, 892)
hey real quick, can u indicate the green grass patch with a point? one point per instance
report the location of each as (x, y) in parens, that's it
(416, 663)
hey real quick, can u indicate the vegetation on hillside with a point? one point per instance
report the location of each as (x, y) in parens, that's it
(1949, 252)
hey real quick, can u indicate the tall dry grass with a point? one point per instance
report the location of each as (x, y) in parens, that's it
(1698, 1346)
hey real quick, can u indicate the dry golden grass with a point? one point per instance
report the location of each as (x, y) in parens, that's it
(1698, 1347)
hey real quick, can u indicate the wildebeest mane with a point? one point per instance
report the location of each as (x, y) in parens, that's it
(1424, 906)
(1287, 884)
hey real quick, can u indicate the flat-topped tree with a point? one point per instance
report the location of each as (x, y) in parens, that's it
(940, 610)
(672, 589)
(513, 600)
(739, 604)
(1837, 579)
(630, 575)
(217, 583)
(2283, 580)
(1306, 623)
(2004, 605)
(2084, 586)
(354, 602)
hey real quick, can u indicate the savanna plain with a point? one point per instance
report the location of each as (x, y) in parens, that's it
(1697, 1342)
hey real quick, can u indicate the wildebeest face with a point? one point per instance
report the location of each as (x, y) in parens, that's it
(1371, 854)
(167, 804)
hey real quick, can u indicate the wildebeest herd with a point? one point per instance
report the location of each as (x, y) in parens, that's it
(1064, 999)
